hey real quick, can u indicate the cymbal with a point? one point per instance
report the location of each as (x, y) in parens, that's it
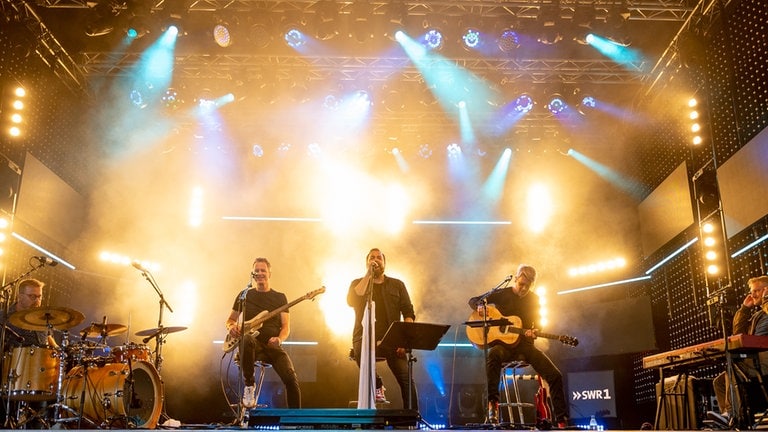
(159, 330)
(98, 329)
(38, 319)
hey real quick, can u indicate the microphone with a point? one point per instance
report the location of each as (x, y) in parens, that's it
(137, 265)
(44, 260)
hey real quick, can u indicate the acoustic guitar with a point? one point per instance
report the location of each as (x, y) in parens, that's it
(253, 325)
(507, 334)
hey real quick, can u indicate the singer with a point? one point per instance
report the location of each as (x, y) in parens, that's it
(518, 300)
(267, 345)
(391, 300)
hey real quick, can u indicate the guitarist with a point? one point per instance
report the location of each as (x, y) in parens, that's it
(519, 301)
(392, 301)
(267, 345)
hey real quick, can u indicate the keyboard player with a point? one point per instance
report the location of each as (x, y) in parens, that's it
(751, 318)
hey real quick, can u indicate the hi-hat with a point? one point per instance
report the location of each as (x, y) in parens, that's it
(41, 318)
(98, 329)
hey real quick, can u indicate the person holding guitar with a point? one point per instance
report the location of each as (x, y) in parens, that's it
(259, 297)
(519, 305)
(392, 301)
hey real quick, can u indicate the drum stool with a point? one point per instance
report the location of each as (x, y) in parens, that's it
(517, 403)
(261, 369)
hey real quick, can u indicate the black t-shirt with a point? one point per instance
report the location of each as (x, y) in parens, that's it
(259, 301)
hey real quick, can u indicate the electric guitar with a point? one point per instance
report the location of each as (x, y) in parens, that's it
(543, 413)
(252, 326)
(508, 334)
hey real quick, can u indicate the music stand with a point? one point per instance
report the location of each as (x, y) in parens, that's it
(411, 336)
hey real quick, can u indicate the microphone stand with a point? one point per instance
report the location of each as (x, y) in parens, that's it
(160, 334)
(368, 350)
(486, 328)
(241, 349)
(160, 339)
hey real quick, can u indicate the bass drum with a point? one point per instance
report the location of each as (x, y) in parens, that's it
(110, 399)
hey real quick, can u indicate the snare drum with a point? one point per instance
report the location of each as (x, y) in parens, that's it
(31, 373)
(131, 351)
(115, 394)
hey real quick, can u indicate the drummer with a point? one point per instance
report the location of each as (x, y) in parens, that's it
(29, 295)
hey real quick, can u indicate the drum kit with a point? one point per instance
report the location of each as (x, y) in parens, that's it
(83, 384)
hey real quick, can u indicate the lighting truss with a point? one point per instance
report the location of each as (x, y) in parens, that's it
(654, 10)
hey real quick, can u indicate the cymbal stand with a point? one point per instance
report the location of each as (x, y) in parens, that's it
(62, 371)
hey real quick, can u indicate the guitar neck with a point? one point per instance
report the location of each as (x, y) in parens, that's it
(275, 312)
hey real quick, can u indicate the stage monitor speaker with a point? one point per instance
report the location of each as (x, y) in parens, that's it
(333, 418)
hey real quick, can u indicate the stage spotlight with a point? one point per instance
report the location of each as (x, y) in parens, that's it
(556, 104)
(523, 103)
(102, 18)
(360, 28)
(295, 38)
(175, 14)
(171, 99)
(509, 40)
(471, 38)
(583, 18)
(549, 23)
(394, 14)
(587, 104)
(393, 100)
(138, 23)
(326, 20)
(222, 34)
(331, 101)
(425, 151)
(260, 29)
(433, 39)
(616, 25)
(453, 150)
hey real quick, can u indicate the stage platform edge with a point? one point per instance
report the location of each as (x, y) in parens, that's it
(334, 418)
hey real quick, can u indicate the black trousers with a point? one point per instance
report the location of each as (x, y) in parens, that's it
(399, 367)
(256, 350)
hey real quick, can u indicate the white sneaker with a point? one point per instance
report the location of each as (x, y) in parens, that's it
(380, 397)
(249, 396)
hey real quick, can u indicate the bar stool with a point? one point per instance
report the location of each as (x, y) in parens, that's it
(261, 369)
(513, 366)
